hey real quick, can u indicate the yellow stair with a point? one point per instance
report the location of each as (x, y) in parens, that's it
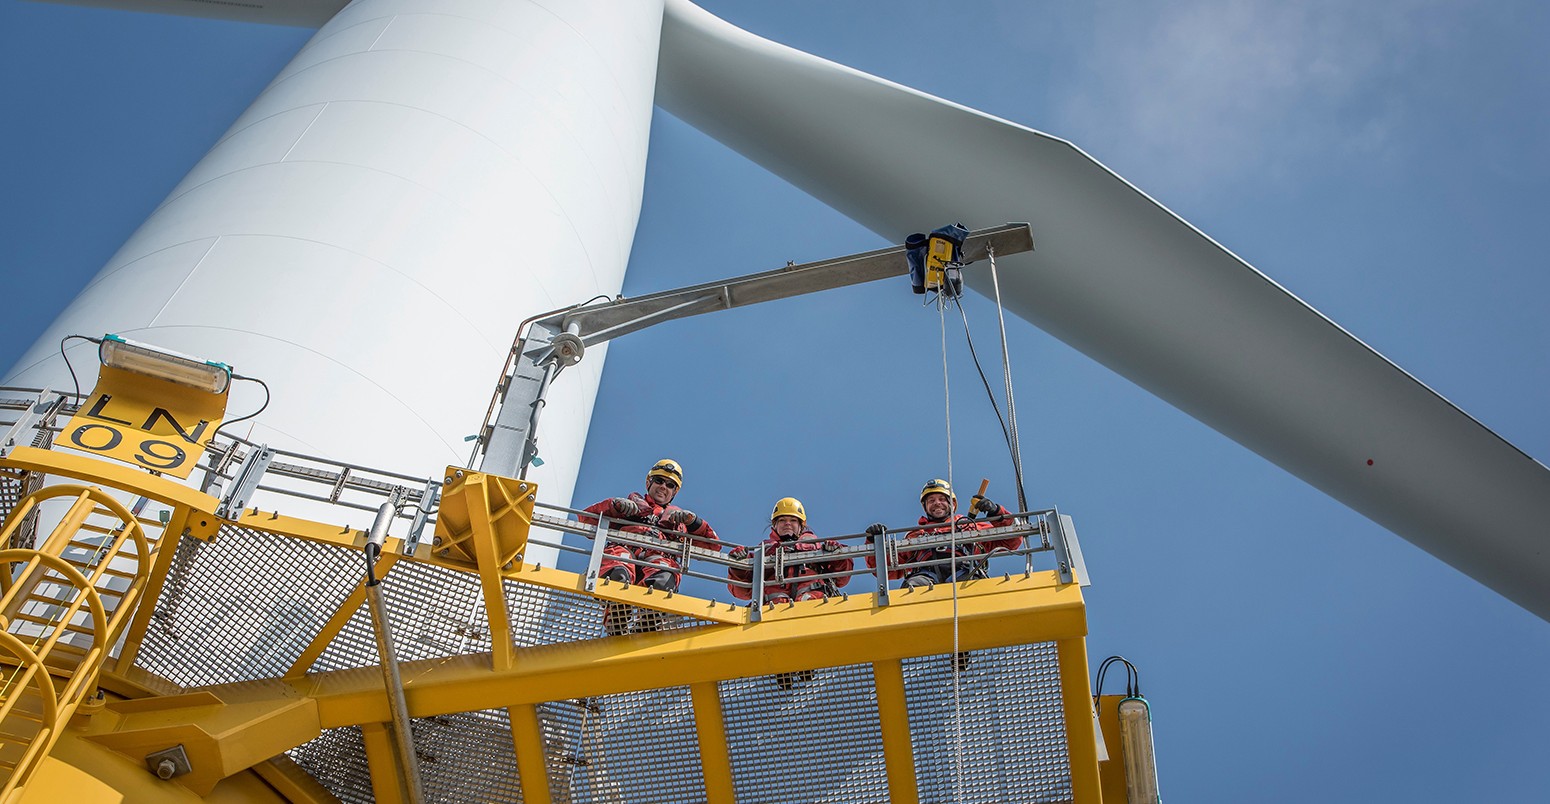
(63, 607)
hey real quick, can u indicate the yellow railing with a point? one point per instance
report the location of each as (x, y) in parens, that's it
(60, 615)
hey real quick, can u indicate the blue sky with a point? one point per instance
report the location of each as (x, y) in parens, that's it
(1387, 162)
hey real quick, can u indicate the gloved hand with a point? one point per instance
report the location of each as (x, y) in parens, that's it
(738, 553)
(874, 530)
(831, 546)
(682, 516)
(984, 505)
(624, 506)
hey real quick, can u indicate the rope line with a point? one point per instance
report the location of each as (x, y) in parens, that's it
(1010, 433)
(947, 408)
(1006, 372)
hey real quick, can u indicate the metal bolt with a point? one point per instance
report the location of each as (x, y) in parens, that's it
(436, 541)
(165, 769)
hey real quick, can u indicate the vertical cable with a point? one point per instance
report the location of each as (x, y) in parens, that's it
(1006, 372)
(952, 528)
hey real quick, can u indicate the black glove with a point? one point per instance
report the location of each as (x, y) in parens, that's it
(875, 530)
(831, 546)
(986, 506)
(738, 553)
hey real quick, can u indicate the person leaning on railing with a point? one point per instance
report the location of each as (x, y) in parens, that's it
(651, 514)
(940, 504)
(789, 533)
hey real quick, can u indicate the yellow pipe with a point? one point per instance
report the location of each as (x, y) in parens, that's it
(528, 741)
(386, 783)
(710, 727)
(1081, 738)
(893, 718)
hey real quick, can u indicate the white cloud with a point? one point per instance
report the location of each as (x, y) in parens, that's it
(1203, 93)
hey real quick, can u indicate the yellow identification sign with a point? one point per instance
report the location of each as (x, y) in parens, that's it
(145, 421)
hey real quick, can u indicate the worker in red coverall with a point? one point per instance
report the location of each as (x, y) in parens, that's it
(789, 533)
(939, 503)
(652, 514)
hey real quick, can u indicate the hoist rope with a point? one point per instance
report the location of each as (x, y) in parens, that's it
(1009, 432)
(947, 408)
(1006, 372)
(1006, 434)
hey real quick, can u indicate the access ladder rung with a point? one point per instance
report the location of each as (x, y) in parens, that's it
(68, 626)
(87, 557)
(20, 726)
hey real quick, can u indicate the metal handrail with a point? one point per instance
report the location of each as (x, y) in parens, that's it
(1026, 524)
(227, 453)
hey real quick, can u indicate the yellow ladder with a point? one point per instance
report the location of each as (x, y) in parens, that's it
(63, 607)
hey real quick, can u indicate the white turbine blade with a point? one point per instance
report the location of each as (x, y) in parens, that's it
(1127, 282)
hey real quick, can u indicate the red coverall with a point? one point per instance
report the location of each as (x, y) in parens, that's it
(966, 569)
(793, 586)
(650, 521)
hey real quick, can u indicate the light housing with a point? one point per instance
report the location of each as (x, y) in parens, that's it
(1135, 736)
(206, 375)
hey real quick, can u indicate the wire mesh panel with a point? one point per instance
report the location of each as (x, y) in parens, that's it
(1006, 738)
(811, 736)
(633, 748)
(542, 616)
(244, 606)
(16, 484)
(467, 756)
(463, 757)
(14, 487)
(337, 759)
(434, 612)
(437, 611)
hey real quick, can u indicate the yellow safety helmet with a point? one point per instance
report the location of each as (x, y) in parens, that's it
(937, 485)
(789, 506)
(669, 469)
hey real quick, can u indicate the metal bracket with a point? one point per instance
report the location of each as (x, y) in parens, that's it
(214, 482)
(880, 553)
(246, 482)
(35, 411)
(595, 562)
(430, 500)
(756, 575)
(1068, 552)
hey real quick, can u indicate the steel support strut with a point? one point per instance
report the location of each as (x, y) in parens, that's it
(559, 339)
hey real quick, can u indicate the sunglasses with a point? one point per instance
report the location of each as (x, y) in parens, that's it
(663, 481)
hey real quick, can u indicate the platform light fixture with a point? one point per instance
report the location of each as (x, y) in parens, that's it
(1135, 734)
(205, 375)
